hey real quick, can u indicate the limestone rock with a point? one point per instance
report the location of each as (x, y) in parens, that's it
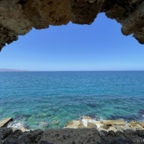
(112, 129)
(142, 124)
(73, 124)
(4, 122)
(91, 125)
(81, 125)
(114, 122)
(136, 125)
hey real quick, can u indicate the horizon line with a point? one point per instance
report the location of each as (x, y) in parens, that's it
(19, 70)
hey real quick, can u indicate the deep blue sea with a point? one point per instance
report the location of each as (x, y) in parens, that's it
(51, 99)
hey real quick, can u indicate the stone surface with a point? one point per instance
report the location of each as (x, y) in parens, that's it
(5, 132)
(73, 124)
(113, 122)
(71, 136)
(18, 17)
(142, 124)
(91, 125)
(18, 137)
(5, 122)
(105, 125)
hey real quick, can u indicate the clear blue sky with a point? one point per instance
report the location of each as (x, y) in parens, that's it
(99, 46)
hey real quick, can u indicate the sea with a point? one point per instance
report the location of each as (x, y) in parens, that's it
(40, 100)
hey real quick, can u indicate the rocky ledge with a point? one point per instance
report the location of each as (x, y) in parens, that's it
(83, 131)
(71, 136)
(105, 125)
(18, 17)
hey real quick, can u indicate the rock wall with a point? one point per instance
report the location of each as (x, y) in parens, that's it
(18, 17)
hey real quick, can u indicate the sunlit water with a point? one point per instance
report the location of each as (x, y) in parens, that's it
(51, 99)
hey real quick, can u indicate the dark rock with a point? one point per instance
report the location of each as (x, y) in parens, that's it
(140, 133)
(13, 137)
(103, 133)
(69, 136)
(31, 137)
(119, 140)
(5, 132)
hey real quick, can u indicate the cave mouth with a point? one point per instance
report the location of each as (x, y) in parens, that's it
(18, 17)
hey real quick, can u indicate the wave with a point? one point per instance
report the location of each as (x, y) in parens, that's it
(17, 125)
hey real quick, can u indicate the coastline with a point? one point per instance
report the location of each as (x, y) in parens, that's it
(83, 131)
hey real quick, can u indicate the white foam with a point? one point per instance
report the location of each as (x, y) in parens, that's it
(91, 120)
(98, 125)
(16, 124)
(84, 121)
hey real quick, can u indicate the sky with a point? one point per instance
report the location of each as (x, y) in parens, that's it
(96, 47)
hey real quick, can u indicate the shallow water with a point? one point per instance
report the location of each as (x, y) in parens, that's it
(50, 99)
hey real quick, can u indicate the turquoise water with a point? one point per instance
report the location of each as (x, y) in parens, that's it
(50, 99)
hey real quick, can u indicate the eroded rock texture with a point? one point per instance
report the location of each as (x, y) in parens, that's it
(18, 17)
(70, 136)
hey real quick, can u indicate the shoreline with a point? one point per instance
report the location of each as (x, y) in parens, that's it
(105, 125)
(83, 122)
(83, 131)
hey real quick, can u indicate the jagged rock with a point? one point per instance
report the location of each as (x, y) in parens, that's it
(17, 137)
(18, 17)
(4, 122)
(4, 132)
(70, 136)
